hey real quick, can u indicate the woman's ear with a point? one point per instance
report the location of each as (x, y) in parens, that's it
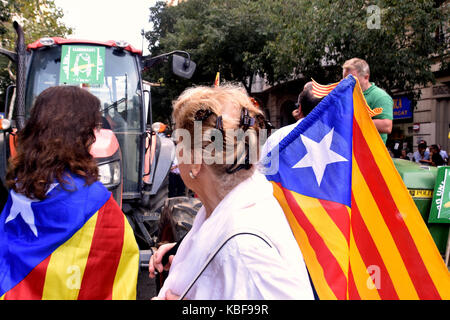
(196, 168)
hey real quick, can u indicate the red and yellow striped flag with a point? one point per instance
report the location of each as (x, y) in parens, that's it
(320, 91)
(361, 235)
(217, 80)
(83, 248)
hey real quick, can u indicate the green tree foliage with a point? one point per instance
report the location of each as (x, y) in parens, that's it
(221, 36)
(319, 36)
(38, 18)
(225, 36)
(284, 39)
(5, 14)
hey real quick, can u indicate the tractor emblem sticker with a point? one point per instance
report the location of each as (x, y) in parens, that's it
(82, 64)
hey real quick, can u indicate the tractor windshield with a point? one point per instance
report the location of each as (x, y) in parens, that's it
(110, 74)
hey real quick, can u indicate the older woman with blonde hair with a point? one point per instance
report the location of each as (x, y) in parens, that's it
(240, 245)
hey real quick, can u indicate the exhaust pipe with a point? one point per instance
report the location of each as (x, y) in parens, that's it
(20, 79)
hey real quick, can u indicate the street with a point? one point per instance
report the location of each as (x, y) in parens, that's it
(146, 287)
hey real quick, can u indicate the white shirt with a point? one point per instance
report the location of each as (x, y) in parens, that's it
(175, 166)
(246, 267)
(269, 164)
(275, 138)
(418, 156)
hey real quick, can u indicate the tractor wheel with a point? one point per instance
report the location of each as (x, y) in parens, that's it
(176, 220)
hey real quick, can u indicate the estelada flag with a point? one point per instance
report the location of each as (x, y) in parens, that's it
(74, 244)
(359, 230)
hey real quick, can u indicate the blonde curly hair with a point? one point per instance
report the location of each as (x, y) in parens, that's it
(219, 137)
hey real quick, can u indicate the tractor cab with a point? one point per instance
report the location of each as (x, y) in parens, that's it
(112, 73)
(133, 160)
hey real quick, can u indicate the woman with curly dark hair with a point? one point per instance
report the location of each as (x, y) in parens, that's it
(56, 141)
(63, 235)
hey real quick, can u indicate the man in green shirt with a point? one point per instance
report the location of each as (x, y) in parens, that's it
(375, 96)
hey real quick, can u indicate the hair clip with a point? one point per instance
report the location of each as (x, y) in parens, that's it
(202, 115)
(236, 167)
(219, 123)
(260, 120)
(246, 120)
(268, 125)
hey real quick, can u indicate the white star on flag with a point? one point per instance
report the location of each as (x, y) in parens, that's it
(319, 155)
(22, 205)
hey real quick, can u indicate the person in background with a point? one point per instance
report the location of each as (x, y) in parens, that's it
(424, 142)
(306, 101)
(296, 114)
(404, 155)
(258, 257)
(375, 96)
(391, 153)
(443, 154)
(160, 128)
(422, 155)
(176, 184)
(435, 158)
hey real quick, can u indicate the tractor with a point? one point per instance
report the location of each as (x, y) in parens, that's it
(423, 185)
(133, 160)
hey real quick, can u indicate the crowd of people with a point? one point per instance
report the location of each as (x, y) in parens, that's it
(432, 155)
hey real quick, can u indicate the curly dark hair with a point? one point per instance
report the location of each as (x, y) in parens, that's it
(55, 142)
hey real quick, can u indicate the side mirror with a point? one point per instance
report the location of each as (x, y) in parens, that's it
(183, 67)
(10, 54)
(5, 121)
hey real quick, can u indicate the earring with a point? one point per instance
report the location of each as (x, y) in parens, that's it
(192, 175)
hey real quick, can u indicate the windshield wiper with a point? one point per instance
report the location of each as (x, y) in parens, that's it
(114, 104)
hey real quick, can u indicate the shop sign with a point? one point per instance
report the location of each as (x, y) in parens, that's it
(402, 108)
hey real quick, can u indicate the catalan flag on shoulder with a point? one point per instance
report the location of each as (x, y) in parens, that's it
(360, 232)
(75, 244)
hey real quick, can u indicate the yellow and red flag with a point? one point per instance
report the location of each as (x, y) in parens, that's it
(217, 80)
(361, 235)
(320, 91)
(74, 244)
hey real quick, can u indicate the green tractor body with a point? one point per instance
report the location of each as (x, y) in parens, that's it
(421, 182)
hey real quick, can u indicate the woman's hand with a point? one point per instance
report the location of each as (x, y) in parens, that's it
(155, 264)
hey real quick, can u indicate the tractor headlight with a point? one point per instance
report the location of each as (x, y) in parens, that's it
(109, 174)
